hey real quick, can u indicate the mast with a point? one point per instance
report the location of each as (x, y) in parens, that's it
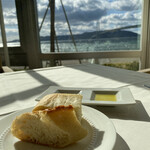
(52, 4)
(69, 28)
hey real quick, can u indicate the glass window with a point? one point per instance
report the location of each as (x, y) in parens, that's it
(99, 25)
(11, 24)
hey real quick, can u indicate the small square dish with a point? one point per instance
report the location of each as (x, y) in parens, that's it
(96, 96)
(110, 97)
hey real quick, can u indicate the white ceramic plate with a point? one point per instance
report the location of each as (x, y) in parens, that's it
(101, 133)
(123, 95)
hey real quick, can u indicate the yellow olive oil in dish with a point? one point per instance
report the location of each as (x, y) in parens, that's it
(105, 97)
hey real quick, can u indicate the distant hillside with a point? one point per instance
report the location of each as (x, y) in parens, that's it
(95, 35)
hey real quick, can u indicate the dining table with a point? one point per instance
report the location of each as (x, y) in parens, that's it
(19, 89)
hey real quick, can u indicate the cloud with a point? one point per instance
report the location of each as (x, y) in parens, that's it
(83, 15)
(126, 5)
(119, 20)
(80, 15)
(62, 28)
(84, 11)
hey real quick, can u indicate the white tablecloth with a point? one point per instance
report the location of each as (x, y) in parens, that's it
(18, 90)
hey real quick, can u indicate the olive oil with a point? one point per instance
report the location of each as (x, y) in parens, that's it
(105, 97)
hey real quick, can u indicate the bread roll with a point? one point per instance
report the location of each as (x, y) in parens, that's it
(59, 99)
(56, 126)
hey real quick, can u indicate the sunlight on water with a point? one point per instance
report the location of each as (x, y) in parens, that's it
(11, 44)
(95, 45)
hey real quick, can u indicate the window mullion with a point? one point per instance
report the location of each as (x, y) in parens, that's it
(145, 36)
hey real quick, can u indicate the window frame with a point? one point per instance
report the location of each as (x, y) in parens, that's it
(141, 54)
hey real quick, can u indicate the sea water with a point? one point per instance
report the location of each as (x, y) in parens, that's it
(89, 45)
(92, 45)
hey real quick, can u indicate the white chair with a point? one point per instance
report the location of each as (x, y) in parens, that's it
(4, 69)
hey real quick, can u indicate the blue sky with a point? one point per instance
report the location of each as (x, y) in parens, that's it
(84, 16)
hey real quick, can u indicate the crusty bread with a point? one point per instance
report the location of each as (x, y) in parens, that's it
(57, 99)
(56, 127)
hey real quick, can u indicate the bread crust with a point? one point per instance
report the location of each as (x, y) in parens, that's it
(48, 101)
(61, 99)
(58, 108)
